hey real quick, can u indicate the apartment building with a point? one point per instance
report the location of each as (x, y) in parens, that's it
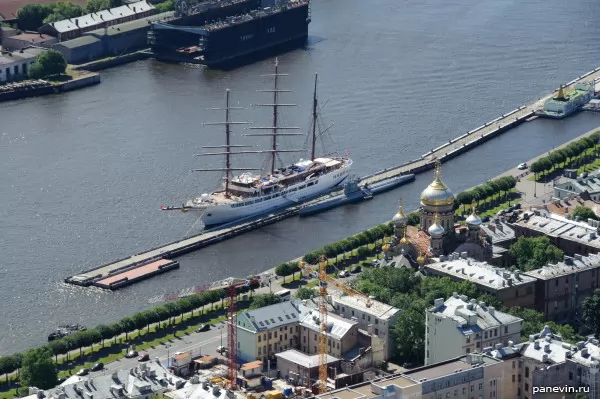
(460, 326)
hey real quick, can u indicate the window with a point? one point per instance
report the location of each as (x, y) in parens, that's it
(259, 338)
(259, 351)
(513, 368)
(526, 372)
(519, 378)
(480, 386)
(513, 378)
(376, 331)
(464, 391)
(485, 335)
(16, 69)
(506, 330)
(472, 388)
(527, 387)
(24, 69)
(570, 375)
(468, 350)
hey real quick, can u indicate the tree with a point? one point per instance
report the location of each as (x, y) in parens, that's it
(409, 332)
(263, 300)
(534, 252)
(413, 219)
(38, 369)
(115, 3)
(591, 312)
(464, 198)
(31, 16)
(305, 293)
(57, 347)
(105, 332)
(7, 365)
(49, 63)
(127, 325)
(283, 270)
(165, 6)
(63, 10)
(584, 213)
(92, 6)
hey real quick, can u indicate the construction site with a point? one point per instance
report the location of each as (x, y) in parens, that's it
(292, 348)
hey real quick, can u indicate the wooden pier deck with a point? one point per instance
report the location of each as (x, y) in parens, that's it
(425, 162)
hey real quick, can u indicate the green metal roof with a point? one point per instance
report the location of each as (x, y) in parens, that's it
(79, 42)
(131, 25)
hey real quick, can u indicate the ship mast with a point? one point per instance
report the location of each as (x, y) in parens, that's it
(276, 128)
(314, 124)
(228, 146)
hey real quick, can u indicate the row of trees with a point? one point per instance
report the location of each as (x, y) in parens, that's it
(565, 155)
(350, 244)
(405, 290)
(485, 192)
(33, 16)
(139, 321)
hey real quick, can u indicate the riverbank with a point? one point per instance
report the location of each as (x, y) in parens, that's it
(71, 80)
(110, 62)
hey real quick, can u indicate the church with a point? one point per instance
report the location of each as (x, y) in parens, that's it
(437, 235)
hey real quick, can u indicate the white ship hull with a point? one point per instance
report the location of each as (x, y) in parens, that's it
(223, 213)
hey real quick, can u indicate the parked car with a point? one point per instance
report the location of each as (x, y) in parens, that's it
(204, 327)
(522, 166)
(517, 205)
(177, 353)
(356, 269)
(83, 372)
(97, 366)
(131, 354)
(61, 380)
(583, 175)
(144, 357)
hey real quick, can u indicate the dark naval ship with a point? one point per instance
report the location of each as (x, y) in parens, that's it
(227, 32)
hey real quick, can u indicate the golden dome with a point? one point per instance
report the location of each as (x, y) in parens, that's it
(400, 218)
(404, 241)
(385, 248)
(437, 193)
(421, 259)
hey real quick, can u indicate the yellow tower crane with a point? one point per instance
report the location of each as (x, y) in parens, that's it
(324, 281)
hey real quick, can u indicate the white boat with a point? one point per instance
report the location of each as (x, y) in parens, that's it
(251, 194)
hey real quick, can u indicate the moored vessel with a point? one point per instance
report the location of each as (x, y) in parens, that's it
(252, 194)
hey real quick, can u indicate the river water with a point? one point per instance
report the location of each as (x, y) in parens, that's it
(84, 173)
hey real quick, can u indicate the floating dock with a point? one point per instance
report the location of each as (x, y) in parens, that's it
(118, 280)
(114, 274)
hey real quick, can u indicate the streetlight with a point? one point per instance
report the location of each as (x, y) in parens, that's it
(168, 353)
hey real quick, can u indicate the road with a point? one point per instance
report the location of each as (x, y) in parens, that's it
(197, 343)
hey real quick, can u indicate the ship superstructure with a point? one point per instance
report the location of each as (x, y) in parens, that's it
(249, 193)
(567, 102)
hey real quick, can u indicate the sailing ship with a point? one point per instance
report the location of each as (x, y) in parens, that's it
(251, 194)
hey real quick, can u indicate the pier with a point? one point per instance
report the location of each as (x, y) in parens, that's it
(475, 137)
(129, 270)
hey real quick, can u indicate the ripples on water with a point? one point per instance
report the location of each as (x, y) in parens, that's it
(85, 173)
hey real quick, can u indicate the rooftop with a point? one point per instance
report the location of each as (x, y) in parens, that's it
(276, 315)
(449, 367)
(569, 266)
(591, 184)
(564, 206)
(498, 231)
(377, 309)
(131, 25)
(79, 42)
(302, 359)
(139, 381)
(32, 37)
(546, 347)
(480, 273)
(588, 352)
(18, 55)
(470, 315)
(559, 226)
(337, 327)
(100, 17)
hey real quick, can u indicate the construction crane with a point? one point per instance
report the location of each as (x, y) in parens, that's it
(232, 336)
(324, 280)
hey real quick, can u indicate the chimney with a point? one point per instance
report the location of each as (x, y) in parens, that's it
(492, 310)
(492, 228)
(455, 295)
(510, 343)
(584, 352)
(536, 345)
(498, 346)
(547, 348)
(544, 358)
(438, 303)
(500, 227)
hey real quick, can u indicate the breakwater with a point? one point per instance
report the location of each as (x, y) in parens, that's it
(34, 88)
